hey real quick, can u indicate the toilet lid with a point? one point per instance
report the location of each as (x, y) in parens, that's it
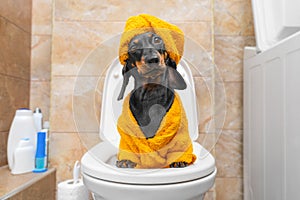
(99, 163)
(112, 108)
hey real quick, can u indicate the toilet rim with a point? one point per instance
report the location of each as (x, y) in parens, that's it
(100, 166)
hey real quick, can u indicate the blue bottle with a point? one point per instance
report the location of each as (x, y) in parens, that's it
(40, 155)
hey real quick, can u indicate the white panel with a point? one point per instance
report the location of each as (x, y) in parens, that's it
(246, 137)
(272, 100)
(280, 68)
(274, 129)
(256, 134)
(293, 125)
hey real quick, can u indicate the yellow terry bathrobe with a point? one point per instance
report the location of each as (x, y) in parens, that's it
(171, 143)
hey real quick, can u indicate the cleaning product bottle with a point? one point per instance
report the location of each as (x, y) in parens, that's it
(40, 155)
(45, 129)
(22, 127)
(23, 157)
(38, 119)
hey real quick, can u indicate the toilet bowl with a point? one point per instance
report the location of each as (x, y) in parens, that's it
(107, 182)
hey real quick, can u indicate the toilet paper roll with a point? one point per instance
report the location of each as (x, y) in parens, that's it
(67, 190)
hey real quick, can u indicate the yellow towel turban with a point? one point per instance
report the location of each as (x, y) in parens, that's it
(173, 37)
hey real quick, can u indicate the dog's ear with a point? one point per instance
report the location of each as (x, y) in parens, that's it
(175, 80)
(126, 75)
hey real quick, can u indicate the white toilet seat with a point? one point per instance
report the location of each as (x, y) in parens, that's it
(106, 181)
(99, 163)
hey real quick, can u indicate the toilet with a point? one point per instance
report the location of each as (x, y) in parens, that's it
(107, 182)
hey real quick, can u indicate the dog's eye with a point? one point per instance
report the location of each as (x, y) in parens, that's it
(133, 48)
(157, 40)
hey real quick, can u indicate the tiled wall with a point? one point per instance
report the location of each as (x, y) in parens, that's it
(41, 38)
(222, 27)
(78, 28)
(15, 31)
(233, 30)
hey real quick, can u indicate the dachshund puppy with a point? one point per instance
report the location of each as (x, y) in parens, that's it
(155, 78)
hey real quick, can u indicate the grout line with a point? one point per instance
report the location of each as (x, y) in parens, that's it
(229, 129)
(41, 35)
(11, 22)
(2, 132)
(14, 77)
(75, 76)
(213, 59)
(76, 132)
(50, 106)
(120, 21)
(40, 80)
(230, 177)
(224, 81)
(235, 36)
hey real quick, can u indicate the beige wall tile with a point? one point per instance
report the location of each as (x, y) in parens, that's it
(86, 104)
(118, 10)
(41, 58)
(3, 148)
(15, 50)
(89, 140)
(229, 189)
(204, 94)
(75, 106)
(14, 94)
(40, 97)
(198, 32)
(209, 196)
(65, 149)
(229, 151)
(74, 41)
(98, 98)
(208, 141)
(233, 17)
(61, 117)
(220, 104)
(229, 56)
(42, 17)
(229, 111)
(18, 12)
(199, 60)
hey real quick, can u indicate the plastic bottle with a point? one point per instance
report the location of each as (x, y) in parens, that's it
(38, 119)
(40, 155)
(45, 129)
(21, 127)
(23, 157)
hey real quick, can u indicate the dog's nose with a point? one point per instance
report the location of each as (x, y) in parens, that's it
(152, 60)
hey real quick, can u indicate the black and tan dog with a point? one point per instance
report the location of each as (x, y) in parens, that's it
(155, 78)
(153, 125)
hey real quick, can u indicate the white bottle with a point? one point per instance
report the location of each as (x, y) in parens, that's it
(45, 129)
(23, 157)
(21, 127)
(38, 119)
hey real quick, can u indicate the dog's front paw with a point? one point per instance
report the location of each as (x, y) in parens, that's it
(125, 164)
(178, 164)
